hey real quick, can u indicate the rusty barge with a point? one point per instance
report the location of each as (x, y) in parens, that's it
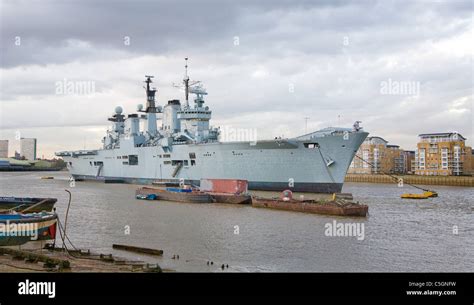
(333, 207)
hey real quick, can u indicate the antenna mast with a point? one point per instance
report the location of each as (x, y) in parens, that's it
(150, 95)
(189, 86)
(186, 82)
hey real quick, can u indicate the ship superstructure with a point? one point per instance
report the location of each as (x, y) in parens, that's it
(177, 143)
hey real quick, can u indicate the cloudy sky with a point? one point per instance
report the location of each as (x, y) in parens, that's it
(265, 66)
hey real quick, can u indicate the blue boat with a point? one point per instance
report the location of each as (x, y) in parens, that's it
(18, 229)
(147, 197)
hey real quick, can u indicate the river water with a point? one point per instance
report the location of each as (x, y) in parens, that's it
(434, 235)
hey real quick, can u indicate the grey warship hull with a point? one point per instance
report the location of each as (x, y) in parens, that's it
(311, 163)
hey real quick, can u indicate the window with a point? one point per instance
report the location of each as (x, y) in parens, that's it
(192, 155)
(193, 162)
(311, 145)
(167, 162)
(98, 163)
(166, 156)
(125, 163)
(133, 160)
(124, 157)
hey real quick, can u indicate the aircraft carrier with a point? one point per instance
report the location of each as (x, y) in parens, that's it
(177, 143)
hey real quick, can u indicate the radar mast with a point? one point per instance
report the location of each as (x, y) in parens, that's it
(187, 84)
(150, 95)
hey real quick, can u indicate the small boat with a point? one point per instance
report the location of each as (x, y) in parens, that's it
(338, 208)
(169, 195)
(21, 203)
(18, 229)
(146, 197)
(424, 195)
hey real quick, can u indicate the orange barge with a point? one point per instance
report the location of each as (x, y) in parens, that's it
(311, 206)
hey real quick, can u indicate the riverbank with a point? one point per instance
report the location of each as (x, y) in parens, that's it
(14, 259)
(413, 179)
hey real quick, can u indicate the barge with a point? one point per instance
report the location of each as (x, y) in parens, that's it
(190, 197)
(337, 208)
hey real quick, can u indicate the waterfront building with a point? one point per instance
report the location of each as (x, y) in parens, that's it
(442, 154)
(409, 161)
(468, 165)
(3, 148)
(28, 148)
(376, 156)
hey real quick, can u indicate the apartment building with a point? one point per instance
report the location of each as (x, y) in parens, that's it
(376, 156)
(442, 154)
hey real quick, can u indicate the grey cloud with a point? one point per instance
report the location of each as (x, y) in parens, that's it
(272, 28)
(281, 43)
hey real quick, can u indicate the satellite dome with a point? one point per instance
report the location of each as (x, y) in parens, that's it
(118, 110)
(140, 107)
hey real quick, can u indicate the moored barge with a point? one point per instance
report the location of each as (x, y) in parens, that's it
(336, 208)
(190, 197)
